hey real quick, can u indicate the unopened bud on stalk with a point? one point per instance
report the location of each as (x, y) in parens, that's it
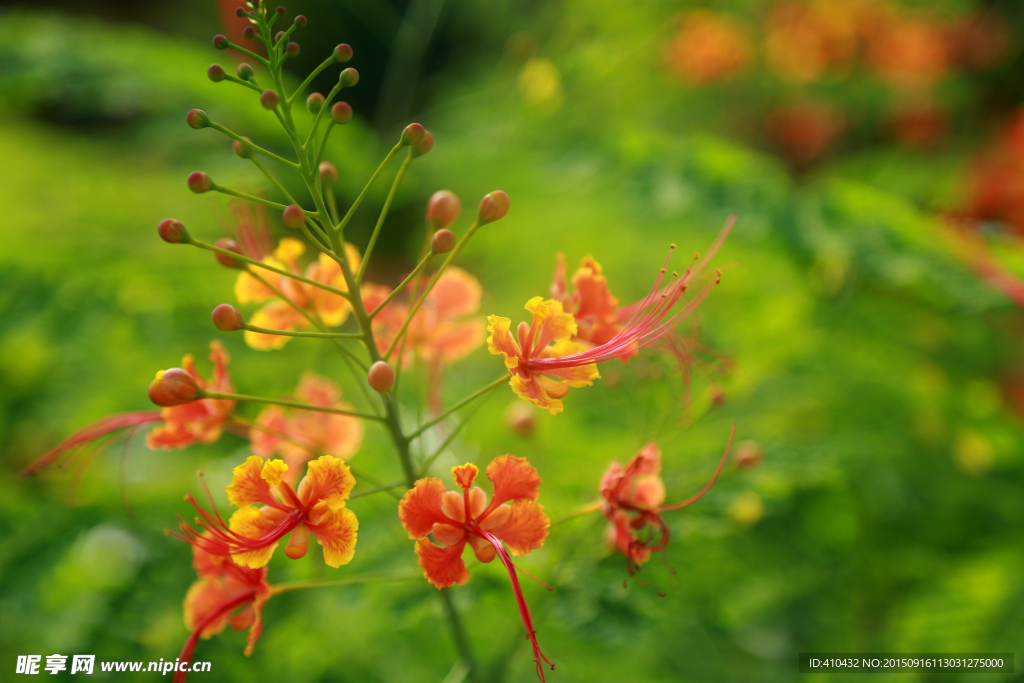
(492, 207)
(227, 318)
(215, 73)
(248, 32)
(342, 53)
(748, 454)
(228, 245)
(294, 216)
(443, 208)
(280, 9)
(315, 102)
(244, 71)
(413, 134)
(348, 77)
(300, 20)
(279, 36)
(292, 49)
(220, 42)
(173, 387)
(241, 149)
(269, 99)
(341, 112)
(197, 118)
(173, 231)
(328, 174)
(240, 12)
(443, 241)
(381, 377)
(426, 144)
(199, 182)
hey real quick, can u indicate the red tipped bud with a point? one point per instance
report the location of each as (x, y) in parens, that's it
(173, 231)
(269, 99)
(413, 134)
(220, 42)
(300, 20)
(215, 73)
(241, 149)
(227, 318)
(328, 174)
(173, 388)
(341, 112)
(199, 182)
(197, 118)
(244, 71)
(248, 32)
(279, 36)
(520, 418)
(426, 144)
(228, 245)
(294, 216)
(748, 454)
(348, 77)
(280, 9)
(443, 241)
(292, 49)
(315, 102)
(381, 377)
(443, 208)
(492, 207)
(342, 53)
(240, 12)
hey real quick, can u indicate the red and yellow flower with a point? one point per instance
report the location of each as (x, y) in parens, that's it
(633, 498)
(458, 518)
(200, 421)
(329, 308)
(224, 594)
(590, 302)
(252, 534)
(297, 436)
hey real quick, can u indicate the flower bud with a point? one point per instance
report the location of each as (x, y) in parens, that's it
(492, 207)
(292, 49)
(173, 388)
(220, 42)
(280, 9)
(381, 377)
(342, 53)
(748, 454)
(443, 208)
(520, 418)
(328, 174)
(197, 118)
(269, 99)
(341, 112)
(244, 71)
(228, 245)
(300, 20)
(315, 102)
(173, 231)
(443, 241)
(413, 134)
(248, 32)
(199, 182)
(227, 318)
(348, 77)
(279, 36)
(215, 73)
(426, 144)
(242, 150)
(294, 216)
(240, 12)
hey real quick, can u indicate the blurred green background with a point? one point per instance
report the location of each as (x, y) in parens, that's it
(879, 375)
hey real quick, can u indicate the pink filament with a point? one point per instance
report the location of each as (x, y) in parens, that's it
(190, 644)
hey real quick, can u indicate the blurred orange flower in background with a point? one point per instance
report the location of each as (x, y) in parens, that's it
(708, 47)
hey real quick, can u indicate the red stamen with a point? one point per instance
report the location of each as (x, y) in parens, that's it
(190, 644)
(693, 499)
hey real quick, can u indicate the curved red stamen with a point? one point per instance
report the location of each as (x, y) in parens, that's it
(693, 499)
(190, 644)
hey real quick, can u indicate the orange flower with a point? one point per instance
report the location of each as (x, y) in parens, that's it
(224, 594)
(804, 40)
(708, 47)
(634, 498)
(199, 421)
(252, 534)
(591, 303)
(457, 518)
(298, 435)
(910, 53)
(330, 308)
(804, 131)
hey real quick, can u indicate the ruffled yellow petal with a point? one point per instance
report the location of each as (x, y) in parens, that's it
(289, 249)
(330, 480)
(251, 523)
(273, 471)
(551, 321)
(336, 532)
(531, 391)
(501, 341)
(248, 485)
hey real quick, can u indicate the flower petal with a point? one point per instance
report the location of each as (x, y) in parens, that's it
(336, 532)
(531, 391)
(420, 507)
(329, 479)
(514, 478)
(248, 485)
(456, 293)
(442, 567)
(551, 321)
(501, 341)
(465, 475)
(252, 524)
(204, 597)
(525, 528)
(276, 315)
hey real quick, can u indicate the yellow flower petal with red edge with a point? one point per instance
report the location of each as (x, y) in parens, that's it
(328, 479)
(501, 341)
(248, 485)
(336, 532)
(251, 523)
(551, 320)
(531, 391)
(465, 474)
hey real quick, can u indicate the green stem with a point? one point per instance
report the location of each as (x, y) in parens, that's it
(425, 467)
(251, 145)
(378, 489)
(383, 215)
(250, 197)
(430, 423)
(239, 48)
(403, 284)
(289, 586)
(315, 335)
(287, 404)
(340, 227)
(309, 79)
